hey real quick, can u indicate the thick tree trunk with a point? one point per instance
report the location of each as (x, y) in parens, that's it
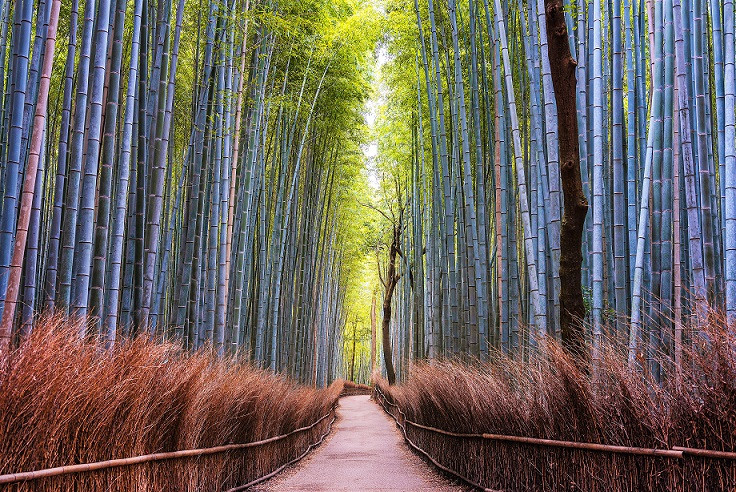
(390, 284)
(572, 309)
(387, 358)
(373, 333)
(352, 357)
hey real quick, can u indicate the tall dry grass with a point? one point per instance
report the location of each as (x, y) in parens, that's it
(66, 401)
(350, 388)
(557, 397)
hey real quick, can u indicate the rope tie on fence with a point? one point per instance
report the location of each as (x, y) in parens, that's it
(186, 453)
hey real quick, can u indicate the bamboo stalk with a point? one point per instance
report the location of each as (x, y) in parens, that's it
(29, 183)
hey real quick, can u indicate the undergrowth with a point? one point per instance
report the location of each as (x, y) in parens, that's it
(555, 396)
(66, 401)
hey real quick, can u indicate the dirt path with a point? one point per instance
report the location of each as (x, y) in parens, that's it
(364, 453)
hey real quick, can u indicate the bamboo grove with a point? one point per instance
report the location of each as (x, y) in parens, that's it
(183, 169)
(476, 165)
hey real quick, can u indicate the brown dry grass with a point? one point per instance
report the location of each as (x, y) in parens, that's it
(556, 397)
(350, 388)
(66, 401)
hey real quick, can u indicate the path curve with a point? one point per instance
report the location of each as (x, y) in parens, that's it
(364, 453)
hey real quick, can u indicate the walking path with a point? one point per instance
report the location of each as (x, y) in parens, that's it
(364, 453)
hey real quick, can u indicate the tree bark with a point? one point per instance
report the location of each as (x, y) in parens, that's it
(572, 308)
(352, 356)
(373, 333)
(390, 284)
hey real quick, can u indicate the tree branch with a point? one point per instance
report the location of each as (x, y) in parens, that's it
(373, 207)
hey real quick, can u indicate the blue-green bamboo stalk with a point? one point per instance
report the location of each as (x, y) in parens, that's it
(223, 263)
(448, 218)
(16, 155)
(214, 210)
(69, 225)
(652, 288)
(636, 304)
(29, 183)
(706, 211)
(109, 146)
(597, 73)
(479, 225)
(42, 20)
(667, 172)
(4, 17)
(729, 116)
(717, 43)
(553, 164)
(540, 189)
(471, 229)
(83, 253)
(537, 306)
(161, 146)
(52, 260)
(695, 245)
(434, 340)
(32, 249)
(631, 141)
(620, 268)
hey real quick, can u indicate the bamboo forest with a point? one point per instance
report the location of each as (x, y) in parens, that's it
(498, 233)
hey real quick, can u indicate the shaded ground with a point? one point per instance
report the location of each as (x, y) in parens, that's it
(365, 452)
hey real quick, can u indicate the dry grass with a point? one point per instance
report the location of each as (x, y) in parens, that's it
(66, 401)
(349, 388)
(555, 397)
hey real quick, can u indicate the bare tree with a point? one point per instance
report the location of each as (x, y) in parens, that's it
(373, 332)
(389, 281)
(389, 277)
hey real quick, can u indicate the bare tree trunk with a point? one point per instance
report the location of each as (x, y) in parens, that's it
(389, 285)
(373, 333)
(352, 358)
(390, 373)
(572, 309)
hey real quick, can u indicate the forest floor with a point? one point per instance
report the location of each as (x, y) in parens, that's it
(365, 452)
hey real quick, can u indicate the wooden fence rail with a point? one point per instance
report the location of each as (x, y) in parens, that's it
(436, 463)
(101, 465)
(673, 453)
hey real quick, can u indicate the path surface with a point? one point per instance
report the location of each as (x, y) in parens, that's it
(365, 452)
